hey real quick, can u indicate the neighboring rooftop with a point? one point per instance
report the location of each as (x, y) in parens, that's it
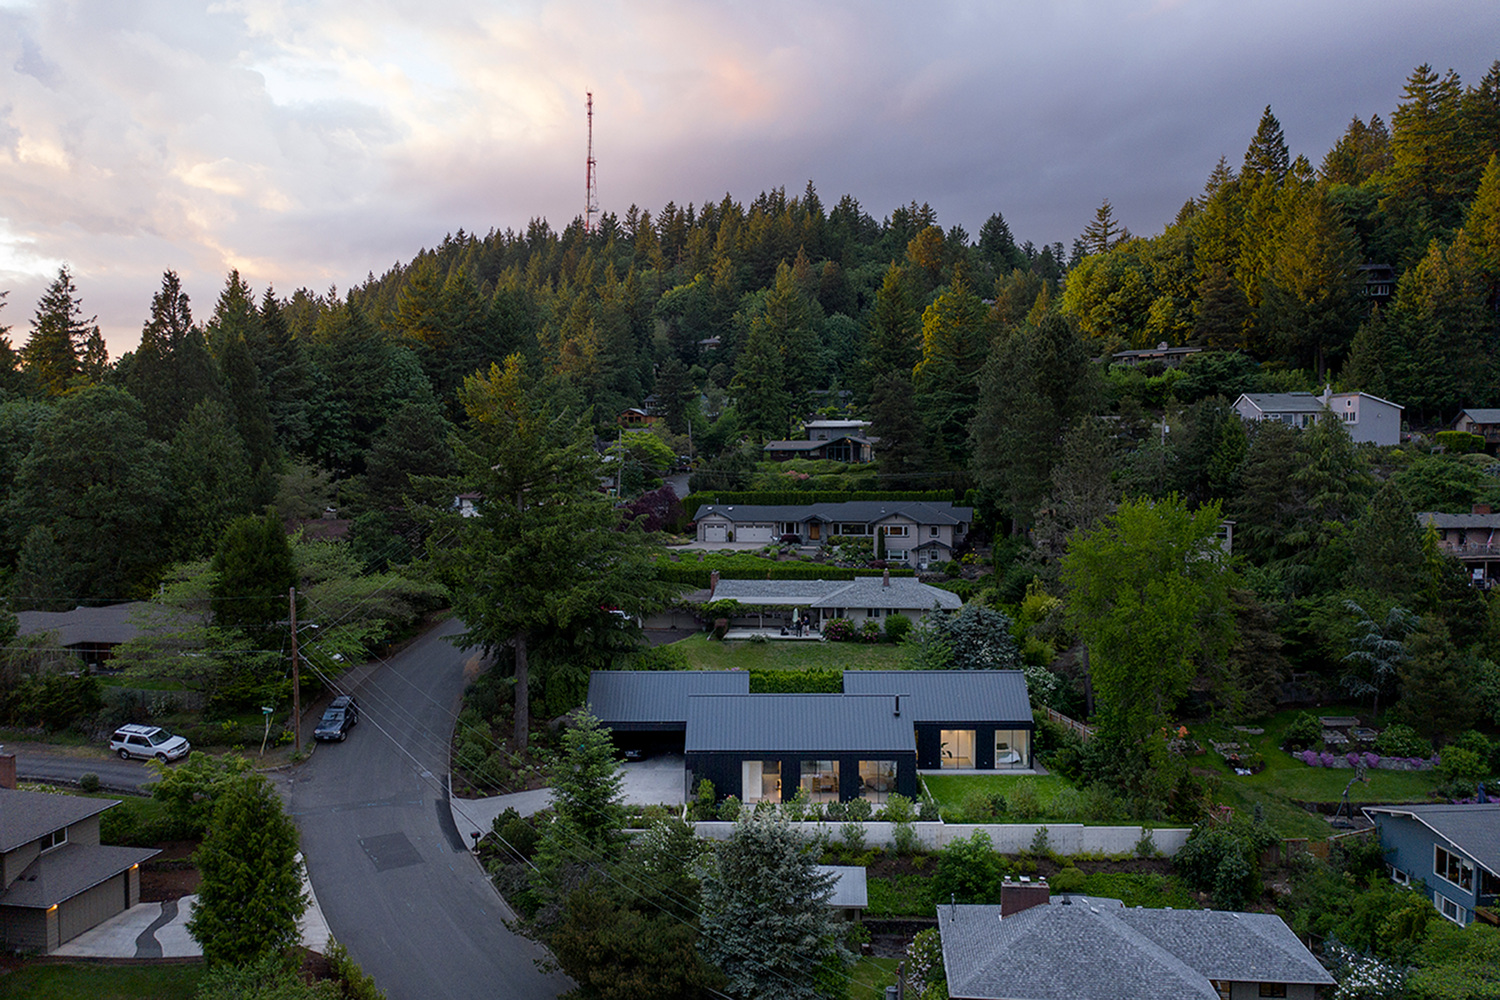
(64, 872)
(1473, 828)
(1481, 415)
(806, 723)
(1086, 948)
(110, 624)
(1440, 520)
(647, 699)
(862, 511)
(25, 816)
(850, 891)
(949, 695)
(904, 593)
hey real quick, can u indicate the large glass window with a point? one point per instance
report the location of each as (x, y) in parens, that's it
(877, 779)
(958, 747)
(1455, 869)
(821, 779)
(1011, 748)
(760, 779)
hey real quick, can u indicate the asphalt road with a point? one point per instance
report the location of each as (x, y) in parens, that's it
(114, 775)
(397, 885)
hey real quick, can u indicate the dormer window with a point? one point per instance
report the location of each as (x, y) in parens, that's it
(55, 839)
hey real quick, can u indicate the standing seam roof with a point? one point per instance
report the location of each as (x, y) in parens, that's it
(950, 695)
(811, 723)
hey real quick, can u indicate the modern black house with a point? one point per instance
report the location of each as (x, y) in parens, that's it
(648, 709)
(964, 719)
(868, 742)
(837, 746)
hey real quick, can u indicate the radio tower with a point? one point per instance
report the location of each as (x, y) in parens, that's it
(591, 194)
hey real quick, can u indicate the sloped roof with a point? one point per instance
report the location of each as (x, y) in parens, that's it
(904, 593)
(1281, 402)
(863, 511)
(25, 816)
(623, 697)
(1440, 520)
(1482, 415)
(1473, 828)
(112, 623)
(807, 723)
(849, 888)
(1096, 949)
(63, 873)
(950, 695)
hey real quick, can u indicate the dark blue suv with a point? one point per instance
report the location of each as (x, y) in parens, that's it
(340, 716)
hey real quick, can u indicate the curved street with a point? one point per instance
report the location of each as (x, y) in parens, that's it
(396, 883)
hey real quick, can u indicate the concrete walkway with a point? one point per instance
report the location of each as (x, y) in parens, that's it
(159, 930)
(655, 781)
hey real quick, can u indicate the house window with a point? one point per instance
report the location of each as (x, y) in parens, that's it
(1451, 868)
(1011, 747)
(760, 779)
(1221, 987)
(933, 531)
(821, 779)
(1351, 417)
(1452, 910)
(958, 747)
(1399, 877)
(896, 531)
(877, 779)
(1273, 989)
(56, 838)
(896, 555)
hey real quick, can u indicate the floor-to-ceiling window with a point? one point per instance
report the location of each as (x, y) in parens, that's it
(877, 779)
(958, 747)
(821, 779)
(760, 779)
(1012, 748)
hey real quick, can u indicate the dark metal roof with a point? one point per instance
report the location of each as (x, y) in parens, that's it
(63, 873)
(25, 816)
(854, 511)
(950, 695)
(799, 723)
(1096, 949)
(1473, 828)
(656, 696)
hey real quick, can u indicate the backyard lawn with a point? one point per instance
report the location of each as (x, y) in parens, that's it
(706, 654)
(102, 982)
(950, 790)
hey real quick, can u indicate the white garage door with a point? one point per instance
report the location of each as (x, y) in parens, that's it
(715, 533)
(755, 533)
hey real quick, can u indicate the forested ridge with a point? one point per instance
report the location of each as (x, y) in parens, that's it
(972, 355)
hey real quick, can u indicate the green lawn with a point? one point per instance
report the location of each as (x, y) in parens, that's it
(950, 790)
(1286, 780)
(706, 654)
(102, 982)
(870, 977)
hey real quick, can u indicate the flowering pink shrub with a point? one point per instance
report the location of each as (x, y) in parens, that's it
(839, 630)
(1310, 758)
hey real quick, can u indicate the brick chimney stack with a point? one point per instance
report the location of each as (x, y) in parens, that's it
(1482, 508)
(8, 770)
(885, 578)
(713, 583)
(1018, 896)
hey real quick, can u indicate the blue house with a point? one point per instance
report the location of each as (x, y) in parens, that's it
(1451, 851)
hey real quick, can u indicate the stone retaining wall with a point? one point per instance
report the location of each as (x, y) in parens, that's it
(1008, 838)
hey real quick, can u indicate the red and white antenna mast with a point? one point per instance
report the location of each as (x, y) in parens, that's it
(591, 194)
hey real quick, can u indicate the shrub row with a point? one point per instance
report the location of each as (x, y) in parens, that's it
(697, 574)
(813, 680)
(799, 497)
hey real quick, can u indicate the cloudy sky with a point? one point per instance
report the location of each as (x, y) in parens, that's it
(309, 143)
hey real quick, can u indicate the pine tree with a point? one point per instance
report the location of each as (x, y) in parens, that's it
(1428, 165)
(1387, 546)
(1104, 233)
(171, 370)
(254, 568)
(58, 334)
(1267, 155)
(250, 897)
(211, 476)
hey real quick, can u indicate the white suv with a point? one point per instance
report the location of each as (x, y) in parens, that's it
(147, 742)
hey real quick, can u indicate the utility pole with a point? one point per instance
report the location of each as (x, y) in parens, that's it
(291, 597)
(591, 180)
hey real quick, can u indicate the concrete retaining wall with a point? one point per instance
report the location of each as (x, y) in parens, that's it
(1008, 838)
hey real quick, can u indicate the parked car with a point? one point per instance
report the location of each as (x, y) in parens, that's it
(341, 716)
(148, 743)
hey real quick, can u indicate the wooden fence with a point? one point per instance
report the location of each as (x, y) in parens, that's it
(1084, 732)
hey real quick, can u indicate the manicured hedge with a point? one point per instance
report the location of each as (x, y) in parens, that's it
(776, 497)
(810, 681)
(697, 574)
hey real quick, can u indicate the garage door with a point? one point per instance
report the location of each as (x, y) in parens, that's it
(755, 533)
(715, 533)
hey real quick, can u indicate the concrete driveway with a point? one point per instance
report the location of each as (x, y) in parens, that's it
(649, 782)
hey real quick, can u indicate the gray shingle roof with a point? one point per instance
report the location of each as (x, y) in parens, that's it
(904, 593)
(800, 723)
(63, 873)
(25, 816)
(1482, 415)
(950, 695)
(621, 698)
(1095, 949)
(1473, 828)
(1440, 520)
(113, 623)
(1285, 402)
(862, 511)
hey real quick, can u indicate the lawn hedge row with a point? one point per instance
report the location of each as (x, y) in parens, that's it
(697, 574)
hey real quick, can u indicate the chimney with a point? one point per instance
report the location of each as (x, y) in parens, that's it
(1327, 392)
(1018, 896)
(8, 771)
(713, 583)
(885, 578)
(898, 706)
(1482, 508)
